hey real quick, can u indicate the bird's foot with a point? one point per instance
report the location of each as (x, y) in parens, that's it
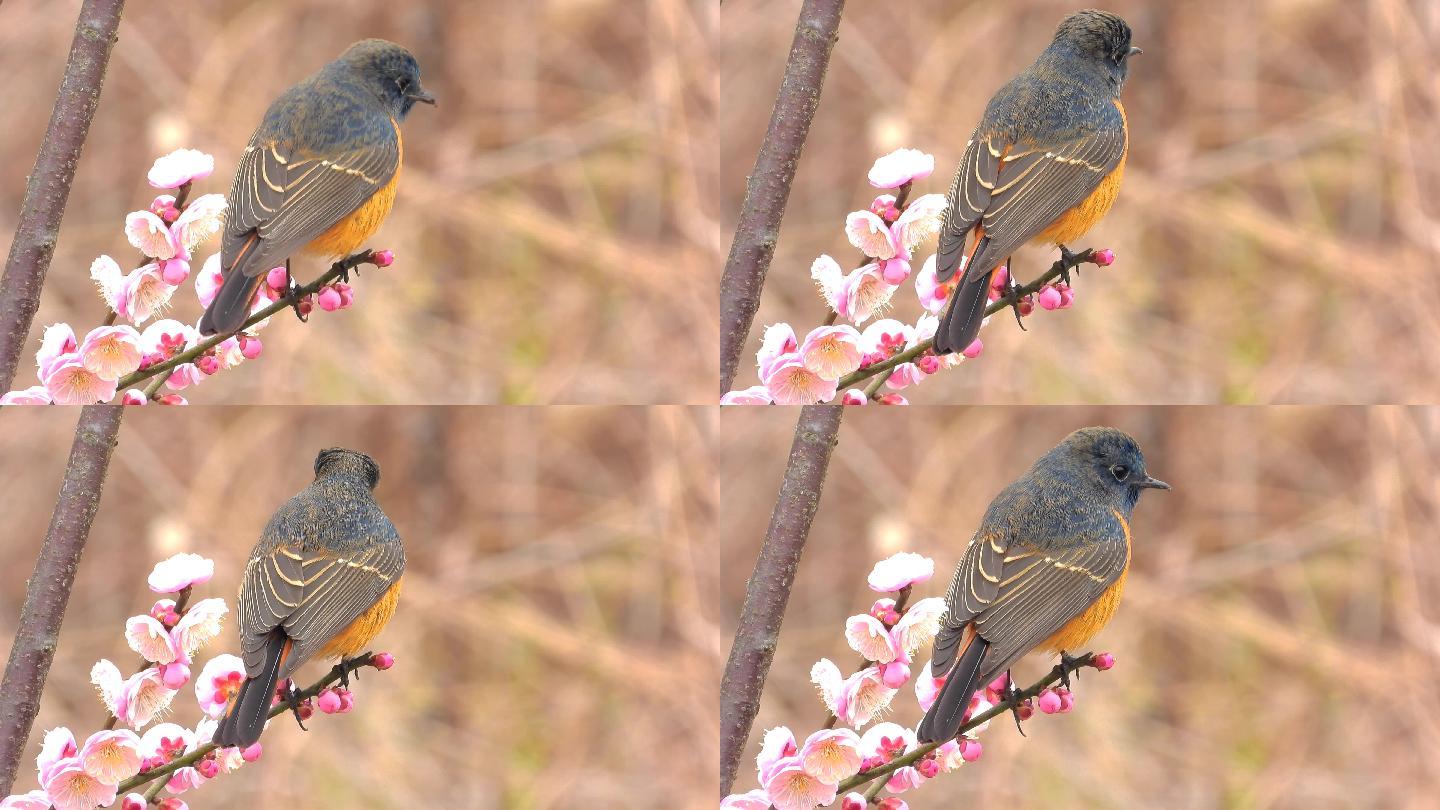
(1068, 664)
(292, 294)
(292, 699)
(1071, 261)
(1014, 300)
(1012, 699)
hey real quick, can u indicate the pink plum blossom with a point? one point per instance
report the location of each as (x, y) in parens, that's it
(69, 382)
(163, 206)
(57, 746)
(180, 572)
(917, 627)
(111, 352)
(885, 741)
(754, 395)
(854, 700)
(791, 787)
(777, 744)
(180, 167)
(900, 167)
(57, 340)
(778, 341)
(895, 270)
(34, 395)
(933, 295)
(209, 280)
(150, 235)
(219, 681)
(754, 800)
(175, 271)
(832, 351)
(900, 570)
(111, 756)
(70, 787)
(903, 376)
(869, 637)
(885, 337)
(927, 687)
(134, 701)
(791, 382)
(973, 350)
(37, 800)
(148, 637)
(867, 232)
(894, 674)
(856, 296)
(137, 296)
(199, 626)
(175, 674)
(920, 221)
(183, 376)
(200, 220)
(831, 755)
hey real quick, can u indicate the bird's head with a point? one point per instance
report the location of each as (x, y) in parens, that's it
(1101, 38)
(1113, 460)
(339, 461)
(390, 71)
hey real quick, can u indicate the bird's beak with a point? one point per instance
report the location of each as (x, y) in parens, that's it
(1152, 483)
(421, 94)
(1134, 51)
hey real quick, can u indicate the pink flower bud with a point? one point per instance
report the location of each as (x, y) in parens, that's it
(307, 305)
(998, 685)
(928, 767)
(1104, 258)
(172, 399)
(893, 399)
(894, 674)
(1000, 279)
(974, 349)
(252, 753)
(250, 347)
(276, 279)
(382, 660)
(347, 294)
(928, 363)
(881, 608)
(1049, 297)
(173, 803)
(382, 258)
(328, 299)
(134, 397)
(1027, 709)
(893, 803)
(1027, 305)
(347, 700)
(970, 750)
(1102, 661)
(208, 768)
(1067, 699)
(208, 364)
(895, 270)
(174, 271)
(1048, 702)
(329, 702)
(852, 801)
(854, 396)
(133, 801)
(175, 674)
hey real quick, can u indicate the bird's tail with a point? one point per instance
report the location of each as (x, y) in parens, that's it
(245, 718)
(961, 324)
(945, 717)
(227, 312)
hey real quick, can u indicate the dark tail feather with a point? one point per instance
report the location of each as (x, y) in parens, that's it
(961, 324)
(231, 305)
(943, 721)
(245, 719)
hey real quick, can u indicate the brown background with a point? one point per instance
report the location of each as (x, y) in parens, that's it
(555, 632)
(555, 228)
(1278, 233)
(1276, 646)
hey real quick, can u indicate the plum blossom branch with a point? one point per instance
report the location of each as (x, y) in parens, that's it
(48, 189)
(1034, 690)
(378, 661)
(48, 591)
(768, 188)
(1090, 256)
(768, 590)
(337, 271)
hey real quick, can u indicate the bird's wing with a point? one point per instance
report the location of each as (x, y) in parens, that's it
(973, 588)
(968, 199)
(287, 192)
(311, 595)
(1038, 182)
(1040, 591)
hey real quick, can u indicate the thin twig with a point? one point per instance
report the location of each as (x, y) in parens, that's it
(984, 717)
(48, 591)
(38, 227)
(768, 590)
(349, 666)
(190, 355)
(768, 188)
(914, 352)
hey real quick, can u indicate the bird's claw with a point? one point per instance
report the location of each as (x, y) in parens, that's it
(292, 699)
(1068, 664)
(1012, 699)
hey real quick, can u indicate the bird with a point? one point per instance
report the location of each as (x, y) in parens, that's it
(1045, 570)
(319, 174)
(323, 580)
(1044, 165)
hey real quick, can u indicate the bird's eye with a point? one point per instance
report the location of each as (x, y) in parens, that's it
(1119, 471)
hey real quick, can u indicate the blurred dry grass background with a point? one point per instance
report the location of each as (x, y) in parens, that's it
(559, 605)
(1279, 642)
(1278, 234)
(555, 233)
